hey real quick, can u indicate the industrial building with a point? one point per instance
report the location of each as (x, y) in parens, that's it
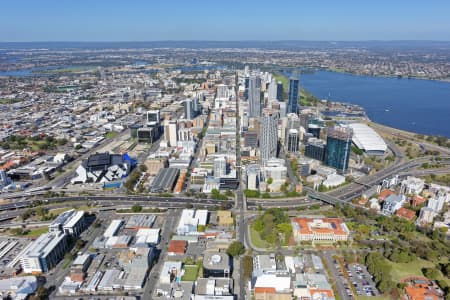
(165, 180)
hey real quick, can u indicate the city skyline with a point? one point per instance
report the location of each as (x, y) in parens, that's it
(139, 21)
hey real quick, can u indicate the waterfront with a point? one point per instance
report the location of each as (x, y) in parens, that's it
(415, 105)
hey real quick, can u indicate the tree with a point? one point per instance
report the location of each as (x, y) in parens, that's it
(136, 208)
(270, 180)
(247, 264)
(201, 228)
(236, 248)
(431, 273)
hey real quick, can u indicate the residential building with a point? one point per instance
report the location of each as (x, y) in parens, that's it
(254, 96)
(268, 135)
(292, 140)
(412, 185)
(392, 203)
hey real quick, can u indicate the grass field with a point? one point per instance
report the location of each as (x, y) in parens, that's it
(256, 239)
(190, 273)
(35, 232)
(402, 270)
(111, 134)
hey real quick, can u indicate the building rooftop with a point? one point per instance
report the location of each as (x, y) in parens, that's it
(216, 260)
(365, 138)
(44, 244)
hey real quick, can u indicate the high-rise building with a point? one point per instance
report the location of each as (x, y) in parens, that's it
(314, 130)
(153, 118)
(246, 85)
(339, 141)
(280, 91)
(254, 96)
(171, 132)
(292, 140)
(220, 167)
(189, 113)
(293, 95)
(222, 91)
(315, 149)
(196, 106)
(269, 134)
(272, 90)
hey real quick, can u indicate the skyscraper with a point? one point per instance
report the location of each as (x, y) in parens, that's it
(339, 141)
(280, 91)
(292, 140)
(254, 96)
(268, 135)
(189, 113)
(293, 95)
(272, 90)
(315, 148)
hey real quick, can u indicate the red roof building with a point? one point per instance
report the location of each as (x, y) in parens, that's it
(406, 213)
(177, 247)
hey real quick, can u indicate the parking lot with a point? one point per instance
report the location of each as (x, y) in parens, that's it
(361, 280)
(348, 294)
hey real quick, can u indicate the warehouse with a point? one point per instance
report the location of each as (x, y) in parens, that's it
(165, 180)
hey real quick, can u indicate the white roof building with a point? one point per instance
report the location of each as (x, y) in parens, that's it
(333, 180)
(279, 283)
(18, 287)
(365, 138)
(112, 228)
(190, 219)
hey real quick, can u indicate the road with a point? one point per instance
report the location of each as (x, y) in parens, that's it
(328, 260)
(240, 206)
(172, 217)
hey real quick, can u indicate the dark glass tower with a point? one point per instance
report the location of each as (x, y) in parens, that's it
(292, 106)
(339, 142)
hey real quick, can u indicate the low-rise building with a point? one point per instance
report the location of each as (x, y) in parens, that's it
(190, 220)
(70, 222)
(18, 288)
(224, 218)
(314, 229)
(216, 264)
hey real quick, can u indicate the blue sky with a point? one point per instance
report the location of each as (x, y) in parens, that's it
(148, 20)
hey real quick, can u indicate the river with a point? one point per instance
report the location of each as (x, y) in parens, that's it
(415, 105)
